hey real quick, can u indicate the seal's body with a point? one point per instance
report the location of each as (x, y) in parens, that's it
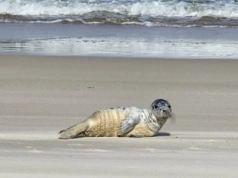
(122, 122)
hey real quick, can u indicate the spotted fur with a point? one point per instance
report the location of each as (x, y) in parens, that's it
(118, 122)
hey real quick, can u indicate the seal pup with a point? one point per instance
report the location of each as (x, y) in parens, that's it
(122, 122)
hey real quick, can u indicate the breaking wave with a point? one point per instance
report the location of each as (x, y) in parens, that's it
(118, 12)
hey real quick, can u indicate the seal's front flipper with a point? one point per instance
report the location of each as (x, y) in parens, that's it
(73, 131)
(128, 124)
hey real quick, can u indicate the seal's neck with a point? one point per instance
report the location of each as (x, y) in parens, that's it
(154, 124)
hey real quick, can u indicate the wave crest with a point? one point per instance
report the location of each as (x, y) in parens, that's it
(121, 11)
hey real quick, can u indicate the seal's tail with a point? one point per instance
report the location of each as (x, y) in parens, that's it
(73, 131)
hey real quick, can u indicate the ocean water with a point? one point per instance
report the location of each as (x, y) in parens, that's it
(128, 28)
(118, 41)
(188, 13)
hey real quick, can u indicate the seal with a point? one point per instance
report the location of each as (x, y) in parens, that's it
(122, 122)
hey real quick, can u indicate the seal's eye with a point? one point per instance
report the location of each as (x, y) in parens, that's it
(156, 106)
(169, 107)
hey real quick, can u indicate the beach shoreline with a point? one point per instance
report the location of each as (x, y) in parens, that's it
(118, 41)
(62, 60)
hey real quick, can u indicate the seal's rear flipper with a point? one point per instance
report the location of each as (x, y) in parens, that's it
(73, 131)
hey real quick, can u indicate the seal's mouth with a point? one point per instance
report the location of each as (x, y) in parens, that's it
(165, 113)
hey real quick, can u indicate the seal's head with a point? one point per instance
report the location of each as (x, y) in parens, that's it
(161, 108)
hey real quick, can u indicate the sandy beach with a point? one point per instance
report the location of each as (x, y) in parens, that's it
(41, 95)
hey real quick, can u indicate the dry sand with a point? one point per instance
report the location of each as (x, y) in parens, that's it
(41, 95)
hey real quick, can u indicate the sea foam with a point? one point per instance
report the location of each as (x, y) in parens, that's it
(134, 11)
(146, 7)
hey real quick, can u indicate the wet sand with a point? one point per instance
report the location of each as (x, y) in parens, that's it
(118, 41)
(41, 95)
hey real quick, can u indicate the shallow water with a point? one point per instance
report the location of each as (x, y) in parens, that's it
(119, 41)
